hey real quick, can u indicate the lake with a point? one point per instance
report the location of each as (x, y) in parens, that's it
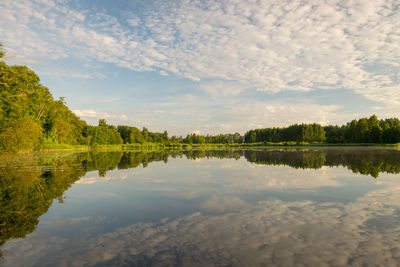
(254, 207)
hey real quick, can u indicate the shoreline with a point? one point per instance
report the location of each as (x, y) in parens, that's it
(180, 146)
(160, 146)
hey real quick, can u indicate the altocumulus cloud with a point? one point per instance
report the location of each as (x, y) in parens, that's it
(269, 45)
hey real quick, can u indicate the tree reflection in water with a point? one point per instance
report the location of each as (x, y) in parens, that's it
(29, 183)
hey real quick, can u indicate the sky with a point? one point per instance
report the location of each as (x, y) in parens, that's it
(211, 66)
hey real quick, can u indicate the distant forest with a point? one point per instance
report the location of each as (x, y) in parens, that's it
(365, 130)
(30, 119)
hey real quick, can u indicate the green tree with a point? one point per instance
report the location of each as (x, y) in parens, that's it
(136, 136)
(1, 51)
(375, 134)
(61, 125)
(22, 134)
(252, 137)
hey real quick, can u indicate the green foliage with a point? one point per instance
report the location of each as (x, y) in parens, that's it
(335, 134)
(21, 134)
(297, 132)
(30, 118)
(1, 51)
(365, 130)
(21, 94)
(130, 135)
(194, 139)
(63, 126)
(103, 134)
(209, 139)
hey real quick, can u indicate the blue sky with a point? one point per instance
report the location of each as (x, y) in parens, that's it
(211, 66)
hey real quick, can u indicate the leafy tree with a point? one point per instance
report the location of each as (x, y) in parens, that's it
(22, 134)
(61, 125)
(164, 136)
(364, 130)
(297, 132)
(252, 137)
(236, 138)
(335, 134)
(1, 51)
(145, 134)
(104, 134)
(102, 123)
(375, 134)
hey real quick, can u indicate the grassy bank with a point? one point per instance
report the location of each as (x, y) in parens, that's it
(182, 146)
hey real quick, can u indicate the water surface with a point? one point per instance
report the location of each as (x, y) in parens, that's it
(283, 207)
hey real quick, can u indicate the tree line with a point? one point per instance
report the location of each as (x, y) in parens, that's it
(297, 132)
(364, 130)
(208, 139)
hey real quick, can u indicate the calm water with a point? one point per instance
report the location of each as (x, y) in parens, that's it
(283, 207)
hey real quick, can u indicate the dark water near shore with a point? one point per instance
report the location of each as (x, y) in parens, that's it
(263, 207)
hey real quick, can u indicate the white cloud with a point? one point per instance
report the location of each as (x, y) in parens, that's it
(270, 45)
(198, 112)
(276, 113)
(68, 73)
(222, 88)
(163, 73)
(93, 114)
(157, 111)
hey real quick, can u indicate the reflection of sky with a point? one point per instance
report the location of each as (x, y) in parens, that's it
(225, 212)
